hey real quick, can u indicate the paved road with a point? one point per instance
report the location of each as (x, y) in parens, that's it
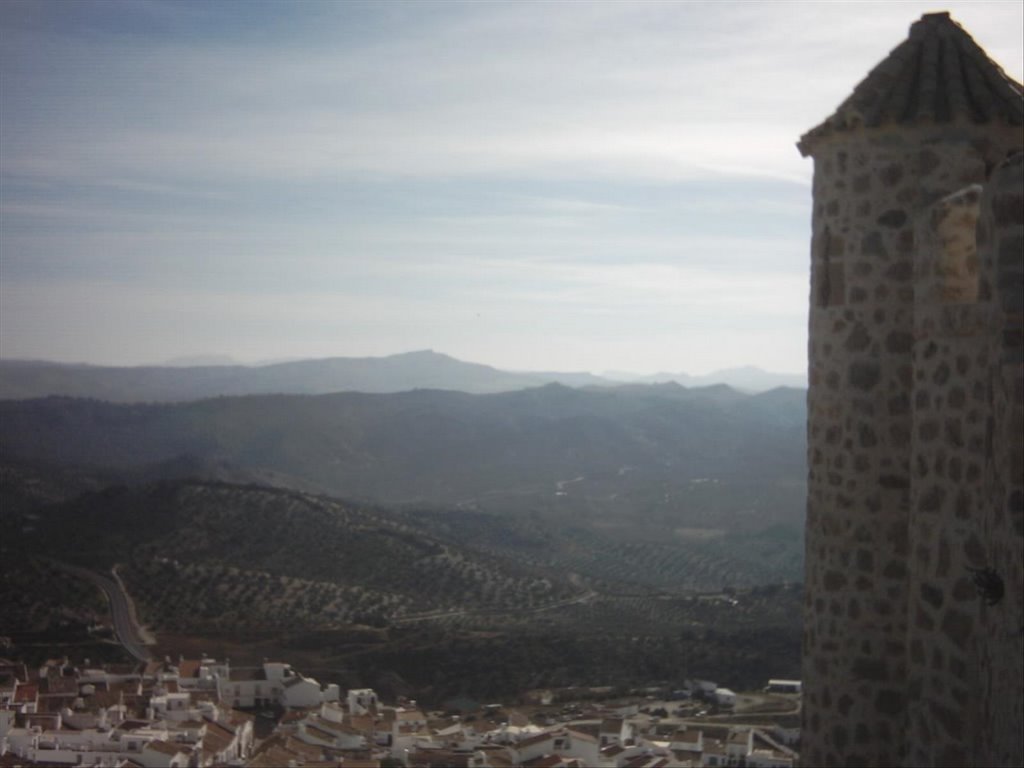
(125, 627)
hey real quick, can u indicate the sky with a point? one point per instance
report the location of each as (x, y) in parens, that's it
(532, 185)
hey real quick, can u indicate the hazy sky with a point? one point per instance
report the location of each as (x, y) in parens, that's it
(547, 185)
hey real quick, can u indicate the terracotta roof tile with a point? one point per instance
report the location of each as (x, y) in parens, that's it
(530, 741)
(214, 742)
(327, 725)
(236, 718)
(132, 725)
(937, 75)
(54, 684)
(314, 729)
(26, 692)
(364, 723)
(44, 721)
(544, 761)
(56, 703)
(273, 757)
(166, 748)
(499, 760)
(436, 758)
(308, 751)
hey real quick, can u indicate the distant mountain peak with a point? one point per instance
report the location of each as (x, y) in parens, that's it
(743, 378)
(419, 353)
(198, 361)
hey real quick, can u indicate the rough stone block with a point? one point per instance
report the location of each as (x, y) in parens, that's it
(873, 245)
(932, 595)
(834, 581)
(858, 339)
(890, 702)
(957, 626)
(864, 375)
(870, 669)
(899, 342)
(1011, 252)
(950, 720)
(893, 218)
(1008, 208)
(891, 175)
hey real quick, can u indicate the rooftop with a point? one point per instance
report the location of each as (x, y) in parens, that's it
(937, 75)
(166, 747)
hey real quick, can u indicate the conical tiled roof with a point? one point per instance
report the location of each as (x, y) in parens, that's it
(937, 75)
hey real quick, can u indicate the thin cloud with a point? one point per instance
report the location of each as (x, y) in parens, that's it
(349, 178)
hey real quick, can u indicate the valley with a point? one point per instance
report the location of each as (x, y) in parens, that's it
(428, 543)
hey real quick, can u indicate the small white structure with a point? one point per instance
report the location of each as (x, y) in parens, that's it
(319, 732)
(171, 706)
(362, 701)
(300, 692)
(739, 744)
(7, 720)
(562, 742)
(163, 754)
(273, 683)
(725, 697)
(687, 740)
(615, 730)
(783, 686)
(332, 712)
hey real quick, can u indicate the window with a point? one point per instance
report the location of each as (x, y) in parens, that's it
(830, 274)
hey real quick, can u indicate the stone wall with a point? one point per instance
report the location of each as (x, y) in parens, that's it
(966, 641)
(949, 482)
(867, 369)
(994, 722)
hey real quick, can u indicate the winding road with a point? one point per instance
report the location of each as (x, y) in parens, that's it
(122, 611)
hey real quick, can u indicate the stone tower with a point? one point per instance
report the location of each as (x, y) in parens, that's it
(915, 490)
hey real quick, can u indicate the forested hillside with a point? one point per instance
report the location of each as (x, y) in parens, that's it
(406, 595)
(708, 457)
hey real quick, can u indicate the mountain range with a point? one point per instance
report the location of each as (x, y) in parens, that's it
(178, 381)
(745, 378)
(616, 449)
